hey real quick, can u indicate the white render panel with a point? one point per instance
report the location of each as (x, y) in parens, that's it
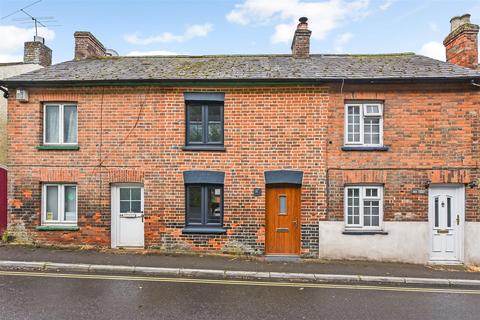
(472, 243)
(405, 242)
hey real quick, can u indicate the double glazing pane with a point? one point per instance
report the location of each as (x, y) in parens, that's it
(194, 209)
(70, 200)
(214, 214)
(52, 209)
(214, 124)
(130, 200)
(371, 213)
(371, 130)
(353, 124)
(353, 206)
(70, 124)
(195, 133)
(372, 109)
(52, 128)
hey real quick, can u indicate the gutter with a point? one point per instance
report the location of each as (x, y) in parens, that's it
(227, 82)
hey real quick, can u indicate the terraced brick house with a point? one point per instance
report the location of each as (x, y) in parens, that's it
(313, 155)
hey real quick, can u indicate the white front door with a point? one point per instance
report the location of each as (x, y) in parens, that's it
(446, 212)
(127, 216)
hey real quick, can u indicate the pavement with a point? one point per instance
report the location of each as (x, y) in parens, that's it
(231, 267)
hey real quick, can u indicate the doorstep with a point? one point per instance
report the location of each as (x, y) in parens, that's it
(282, 258)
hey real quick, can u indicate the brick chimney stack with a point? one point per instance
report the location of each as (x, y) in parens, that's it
(301, 40)
(462, 43)
(37, 52)
(87, 46)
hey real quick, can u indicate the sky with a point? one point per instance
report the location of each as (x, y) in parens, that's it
(202, 27)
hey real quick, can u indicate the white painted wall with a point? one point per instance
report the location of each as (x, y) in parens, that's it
(9, 70)
(472, 243)
(405, 242)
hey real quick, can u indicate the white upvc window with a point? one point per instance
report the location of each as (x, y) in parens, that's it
(364, 207)
(60, 125)
(59, 204)
(364, 124)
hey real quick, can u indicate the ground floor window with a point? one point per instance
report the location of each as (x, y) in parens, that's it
(59, 204)
(364, 207)
(204, 205)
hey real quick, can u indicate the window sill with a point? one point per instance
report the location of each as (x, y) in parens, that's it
(360, 148)
(57, 228)
(204, 230)
(57, 147)
(364, 232)
(203, 148)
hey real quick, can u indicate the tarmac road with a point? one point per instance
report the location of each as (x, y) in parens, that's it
(37, 295)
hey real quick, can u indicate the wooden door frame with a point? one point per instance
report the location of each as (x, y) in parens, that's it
(298, 240)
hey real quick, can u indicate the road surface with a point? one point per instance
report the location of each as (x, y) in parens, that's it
(36, 295)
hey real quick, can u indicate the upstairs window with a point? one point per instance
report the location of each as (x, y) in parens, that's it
(364, 124)
(59, 124)
(204, 123)
(364, 207)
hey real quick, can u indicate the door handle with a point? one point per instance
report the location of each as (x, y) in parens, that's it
(294, 223)
(458, 219)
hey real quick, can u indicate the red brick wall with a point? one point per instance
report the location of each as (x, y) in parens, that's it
(432, 134)
(462, 49)
(265, 129)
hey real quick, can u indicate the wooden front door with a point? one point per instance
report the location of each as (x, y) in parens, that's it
(283, 225)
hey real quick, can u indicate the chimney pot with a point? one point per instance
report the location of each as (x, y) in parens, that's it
(458, 21)
(39, 39)
(301, 40)
(461, 44)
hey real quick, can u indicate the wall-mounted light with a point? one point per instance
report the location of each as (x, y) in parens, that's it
(22, 95)
(427, 183)
(473, 184)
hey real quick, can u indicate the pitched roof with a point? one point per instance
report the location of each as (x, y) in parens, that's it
(248, 68)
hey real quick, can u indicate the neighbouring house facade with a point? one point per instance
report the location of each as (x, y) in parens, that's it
(328, 156)
(36, 56)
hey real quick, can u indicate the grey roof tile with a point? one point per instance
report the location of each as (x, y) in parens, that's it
(249, 67)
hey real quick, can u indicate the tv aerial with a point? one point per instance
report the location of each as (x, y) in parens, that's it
(38, 21)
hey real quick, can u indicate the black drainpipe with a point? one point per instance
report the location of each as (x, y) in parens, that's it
(5, 92)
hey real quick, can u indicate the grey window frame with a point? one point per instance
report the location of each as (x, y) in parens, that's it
(205, 104)
(204, 206)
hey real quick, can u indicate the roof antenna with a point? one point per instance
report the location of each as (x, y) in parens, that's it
(36, 20)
